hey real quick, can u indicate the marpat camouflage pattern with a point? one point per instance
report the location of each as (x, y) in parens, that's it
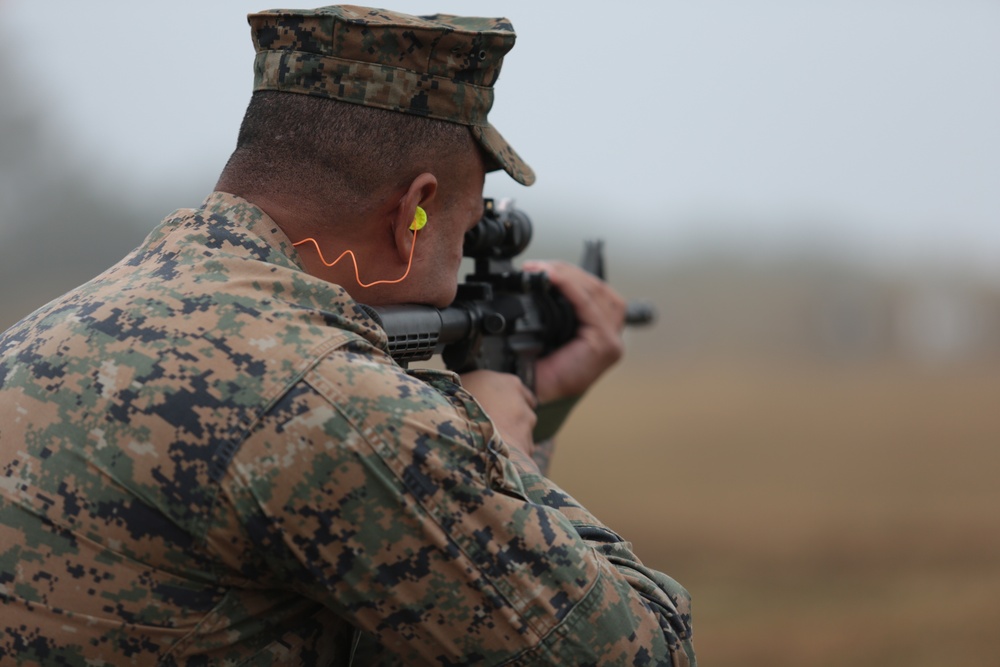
(438, 66)
(208, 458)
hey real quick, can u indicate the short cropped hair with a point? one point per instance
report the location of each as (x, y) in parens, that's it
(318, 145)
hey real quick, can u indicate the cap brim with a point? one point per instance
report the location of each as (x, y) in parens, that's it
(503, 154)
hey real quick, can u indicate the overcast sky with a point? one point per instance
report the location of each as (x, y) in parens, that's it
(866, 122)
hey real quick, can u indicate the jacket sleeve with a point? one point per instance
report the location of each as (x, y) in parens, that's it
(661, 596)
(389, 499)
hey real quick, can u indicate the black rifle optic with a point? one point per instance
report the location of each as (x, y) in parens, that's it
(502, 319)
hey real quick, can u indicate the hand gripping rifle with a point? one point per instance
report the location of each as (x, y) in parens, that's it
(502, 319)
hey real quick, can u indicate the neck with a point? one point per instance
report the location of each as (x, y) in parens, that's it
(338, 244)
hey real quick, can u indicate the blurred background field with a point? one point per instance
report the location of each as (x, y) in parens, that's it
(809, 436)
(812, 449)
(819, 515)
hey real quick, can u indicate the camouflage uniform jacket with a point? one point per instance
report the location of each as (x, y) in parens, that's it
(208, 458)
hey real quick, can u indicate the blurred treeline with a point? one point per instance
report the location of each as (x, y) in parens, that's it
(775, 441)
(61, 223)
(57, 228)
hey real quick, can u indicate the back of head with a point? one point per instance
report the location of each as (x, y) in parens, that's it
(322, 149)
(351, 98)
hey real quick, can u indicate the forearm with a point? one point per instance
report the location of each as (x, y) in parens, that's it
(656, 603)
(542, 455)
(412, 523)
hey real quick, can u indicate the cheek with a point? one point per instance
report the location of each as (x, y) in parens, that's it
(450, 267)
(454, 249)
(442, 261)
(446, 271)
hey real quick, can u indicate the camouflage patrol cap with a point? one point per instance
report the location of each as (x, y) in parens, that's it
(439, 66)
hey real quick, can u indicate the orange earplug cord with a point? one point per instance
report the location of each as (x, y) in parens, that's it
(354, 260)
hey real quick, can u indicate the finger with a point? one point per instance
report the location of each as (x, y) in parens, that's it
(594, 301)
(529, 396)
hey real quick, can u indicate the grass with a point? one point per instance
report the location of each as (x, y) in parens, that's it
(820, 515)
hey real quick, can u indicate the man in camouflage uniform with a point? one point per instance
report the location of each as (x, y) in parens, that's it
(209, 458)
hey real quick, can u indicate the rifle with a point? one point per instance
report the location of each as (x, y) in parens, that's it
(502, 319)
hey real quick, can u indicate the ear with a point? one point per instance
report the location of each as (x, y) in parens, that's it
(420, 192)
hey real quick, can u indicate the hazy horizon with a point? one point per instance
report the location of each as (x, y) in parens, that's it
(864, 129)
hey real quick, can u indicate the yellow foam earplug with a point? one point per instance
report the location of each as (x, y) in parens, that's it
(419, 219)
